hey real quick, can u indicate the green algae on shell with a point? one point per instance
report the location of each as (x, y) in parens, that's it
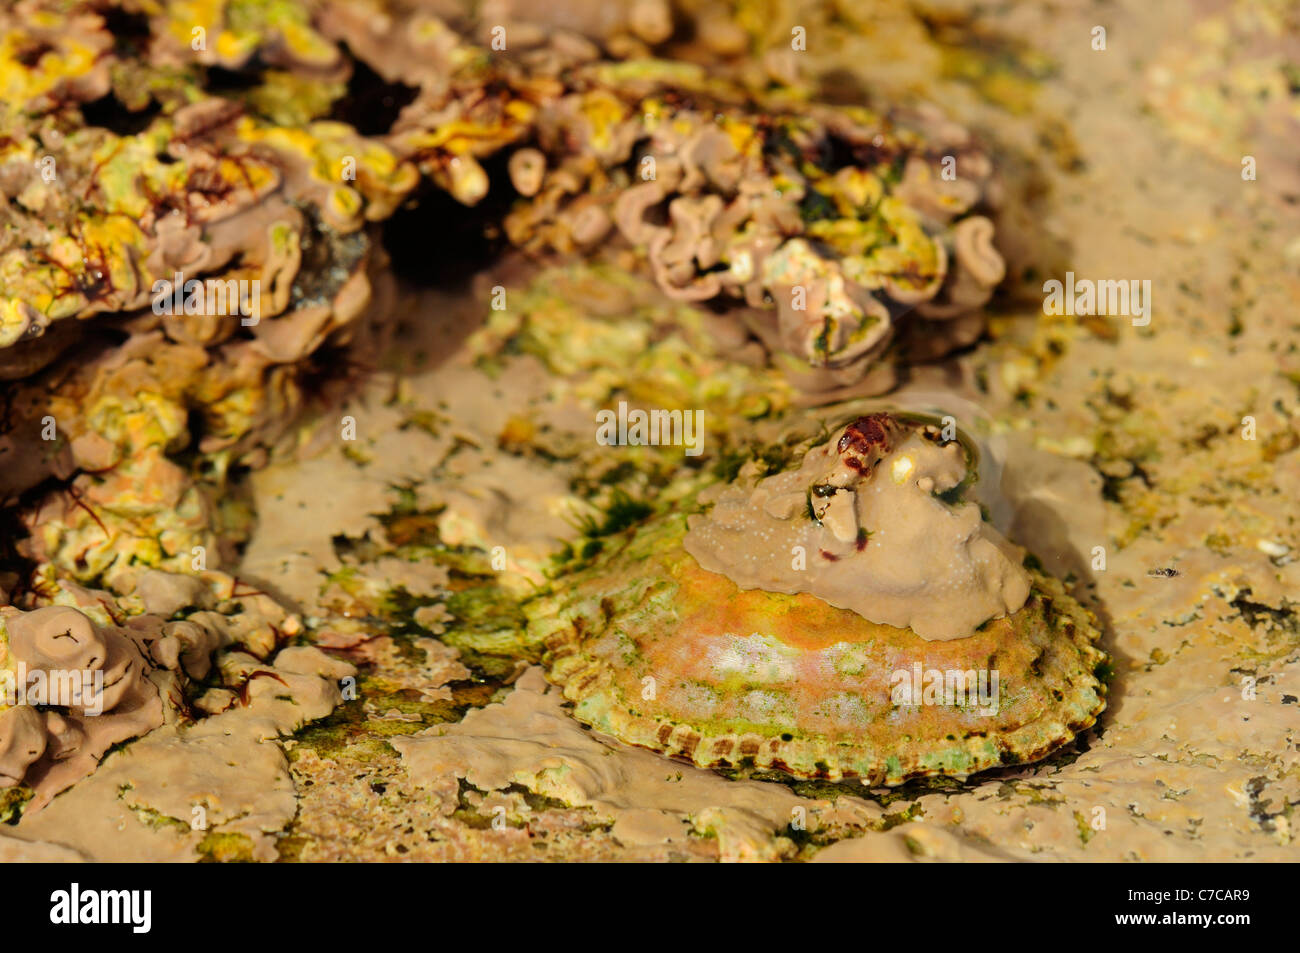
(658, 652)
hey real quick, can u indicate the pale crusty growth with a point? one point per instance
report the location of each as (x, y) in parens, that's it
(105, 670)
(112, 698)
(22, 741)
(862, 524)
(59, 638)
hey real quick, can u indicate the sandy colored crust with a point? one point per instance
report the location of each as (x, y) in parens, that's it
(816, 700)
(873, 511)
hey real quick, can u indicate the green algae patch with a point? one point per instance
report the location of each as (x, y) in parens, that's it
(159, 821)
(1086, 833)
(355, 729)
(12, 802)
(489, 628)
(218, 847)
(342, 730)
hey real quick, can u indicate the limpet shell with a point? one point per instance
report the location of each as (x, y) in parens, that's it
(657, 652)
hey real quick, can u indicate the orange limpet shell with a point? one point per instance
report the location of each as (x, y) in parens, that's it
(658, 652)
